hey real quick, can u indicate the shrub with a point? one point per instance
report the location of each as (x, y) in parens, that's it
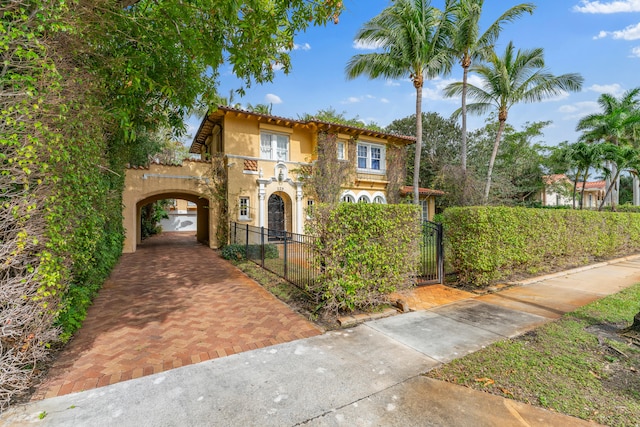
(238, 251)
(366, 251)
(487, 244)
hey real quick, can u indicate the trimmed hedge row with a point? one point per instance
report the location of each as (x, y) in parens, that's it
(488, 244)
(365, 250)
(236, 252)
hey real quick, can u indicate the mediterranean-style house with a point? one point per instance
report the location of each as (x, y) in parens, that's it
(558, 191)
(267, 158)
(254, 167)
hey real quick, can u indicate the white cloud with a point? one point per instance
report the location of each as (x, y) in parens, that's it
(578, 110)
(272, 99)
(304, 46)
(432, 94)
(277, 66)
(635, 52)
(559, 97)
(616, 6)
(614, 89)
(352, 100)
(384, 100)
(632, 32)
(361, 45)
(392, 83)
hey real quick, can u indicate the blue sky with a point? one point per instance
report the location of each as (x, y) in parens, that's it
(598, 39)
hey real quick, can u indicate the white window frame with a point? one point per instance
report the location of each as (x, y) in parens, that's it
(369, 160)
(341, 147)
(244, 203)
(310, 205)
(424, 209)
(270, 148)
(364, 199)
(348, 198)
(379, 200)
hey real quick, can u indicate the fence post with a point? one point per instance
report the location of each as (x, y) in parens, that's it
(262, 246)
(246, 242)
(286, 276)
(441, 253)
(235, 233)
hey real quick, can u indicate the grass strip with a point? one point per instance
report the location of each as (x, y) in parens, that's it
(578, 365)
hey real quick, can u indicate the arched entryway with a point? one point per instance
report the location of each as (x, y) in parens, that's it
(202, 213)
(278, 215)
(189, 181)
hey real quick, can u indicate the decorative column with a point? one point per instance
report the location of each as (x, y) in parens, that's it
(636, 191)
(262, 191)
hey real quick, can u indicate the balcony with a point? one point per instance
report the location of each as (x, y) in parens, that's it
(374, 176)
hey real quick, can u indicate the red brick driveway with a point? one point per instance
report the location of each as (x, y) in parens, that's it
(172, 303)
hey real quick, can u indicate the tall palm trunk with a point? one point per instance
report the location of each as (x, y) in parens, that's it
(463, 140)
(417, 83)
(609, 193)
(492, 160)
(584, 184)
(575, 187)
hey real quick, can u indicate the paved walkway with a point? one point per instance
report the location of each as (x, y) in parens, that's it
(172, 303)
(369, 375)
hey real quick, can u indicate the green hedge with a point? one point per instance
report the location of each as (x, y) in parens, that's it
(488, 244)
(238, 252)
(365, 250)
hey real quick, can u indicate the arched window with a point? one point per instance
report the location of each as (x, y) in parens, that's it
(363, 199)
(348, 198)
(379, 199)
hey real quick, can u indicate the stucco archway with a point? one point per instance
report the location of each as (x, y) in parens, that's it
(157, 182)
(202, 228)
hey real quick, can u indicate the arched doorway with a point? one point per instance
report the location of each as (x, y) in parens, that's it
(276, 217)
(201, 208)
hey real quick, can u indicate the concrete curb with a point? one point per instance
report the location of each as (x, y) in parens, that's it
(349, 321)
(574, 270)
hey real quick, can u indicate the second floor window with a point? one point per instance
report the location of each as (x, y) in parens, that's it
(274, 146)
(371, 157)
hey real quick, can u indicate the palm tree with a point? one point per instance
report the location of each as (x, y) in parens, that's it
(509, 79)
(414, 38)
(584, 157)
(469, 46)
(616, 124)
(625, 158)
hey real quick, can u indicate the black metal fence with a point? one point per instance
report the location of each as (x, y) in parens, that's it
(431, 269)
(289, 255)
(292, 256)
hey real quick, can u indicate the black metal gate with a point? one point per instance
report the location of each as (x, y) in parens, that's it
(276, 217)
(431, 269)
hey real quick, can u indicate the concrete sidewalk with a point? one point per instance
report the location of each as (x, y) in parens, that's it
(367, 375)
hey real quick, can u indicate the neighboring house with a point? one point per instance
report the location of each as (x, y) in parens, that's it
(182, 216)
(593, 193)
(558, 191)
(427, 200)
(267, 158)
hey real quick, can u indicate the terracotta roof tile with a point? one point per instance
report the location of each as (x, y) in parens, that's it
(407, 189)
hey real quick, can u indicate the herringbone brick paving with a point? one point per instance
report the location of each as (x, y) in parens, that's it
(171, 303)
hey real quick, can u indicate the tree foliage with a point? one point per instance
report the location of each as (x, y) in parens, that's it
(470, 45)
(508, 79)
(414, 37)
(85, 85)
